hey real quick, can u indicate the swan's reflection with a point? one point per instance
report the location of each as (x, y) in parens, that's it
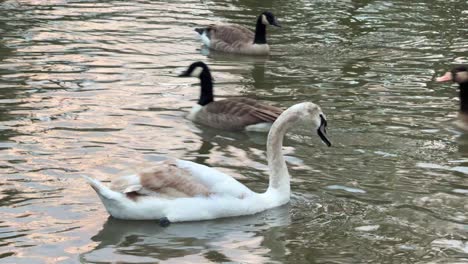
(248, 239)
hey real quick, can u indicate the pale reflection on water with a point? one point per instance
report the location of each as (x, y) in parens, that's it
(223, 240)
(90, 87)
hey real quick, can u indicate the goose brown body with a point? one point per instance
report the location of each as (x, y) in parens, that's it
(235, 39)
(234, 114)
(238, 39)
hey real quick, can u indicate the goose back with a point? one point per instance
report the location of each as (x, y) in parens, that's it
(235, 39)
(238, 39)
(236, 113)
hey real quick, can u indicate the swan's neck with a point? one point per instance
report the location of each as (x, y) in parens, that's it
(279, 176)
(464, 98)
(260, 32)
(206, 94)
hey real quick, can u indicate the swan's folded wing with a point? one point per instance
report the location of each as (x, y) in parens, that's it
(165, 180)
(236, 114)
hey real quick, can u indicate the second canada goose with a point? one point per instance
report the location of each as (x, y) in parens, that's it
(238, 39)
(179, 190)
(233, 114)
(459, 74)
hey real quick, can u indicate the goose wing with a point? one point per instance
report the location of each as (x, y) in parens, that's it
(256, 104)
(237, 113)
(231, 34)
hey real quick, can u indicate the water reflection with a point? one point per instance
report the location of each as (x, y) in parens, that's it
(249, 239)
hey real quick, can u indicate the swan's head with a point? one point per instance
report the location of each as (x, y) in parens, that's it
(269, 19)
(458, 74)
(313, 112)
(196, 69)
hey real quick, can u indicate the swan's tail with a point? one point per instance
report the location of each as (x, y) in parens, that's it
(104, 192)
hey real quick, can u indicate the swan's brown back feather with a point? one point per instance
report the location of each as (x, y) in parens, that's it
(164, 180)
(169, 180)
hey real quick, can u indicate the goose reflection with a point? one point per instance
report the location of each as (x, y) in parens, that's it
(255, 66)
(217, 145)
(249, 239)
(462, 141)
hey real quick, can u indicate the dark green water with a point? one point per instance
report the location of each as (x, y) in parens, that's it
(88, 87)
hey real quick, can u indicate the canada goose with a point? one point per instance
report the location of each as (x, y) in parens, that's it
(233, 114)
(179, 190)
(459, 74)
(238, 39)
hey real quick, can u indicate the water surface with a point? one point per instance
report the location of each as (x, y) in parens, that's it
(89, 87)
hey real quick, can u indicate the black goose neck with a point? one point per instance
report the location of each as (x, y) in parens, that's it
(260, 31)
(464, 97)
(206, 82)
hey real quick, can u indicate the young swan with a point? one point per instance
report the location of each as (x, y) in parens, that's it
(234, 114)
(179, 190)
(459, 74)
(238, 39)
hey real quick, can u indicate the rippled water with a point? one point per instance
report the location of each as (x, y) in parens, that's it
(89, 87)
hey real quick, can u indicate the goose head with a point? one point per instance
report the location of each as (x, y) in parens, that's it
(268, 19)
(311, 114)
(197, 69)
(458, 74)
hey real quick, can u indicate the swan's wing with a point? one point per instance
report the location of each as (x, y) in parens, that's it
(236, 114)
(168, 179)
(217, 181)
(165, 179)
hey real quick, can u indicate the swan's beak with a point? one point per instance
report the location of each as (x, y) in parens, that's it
(322, 131)
(447, 77)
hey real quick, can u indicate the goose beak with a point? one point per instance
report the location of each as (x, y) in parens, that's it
(183, 74)
(275, 23)
(447, 77)
(322, 131)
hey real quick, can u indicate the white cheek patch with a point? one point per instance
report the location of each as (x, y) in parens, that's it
(265, 20)
(461, 77)
(196, 72)
(205, 39)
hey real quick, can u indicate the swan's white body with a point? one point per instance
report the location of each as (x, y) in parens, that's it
(226, 198)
